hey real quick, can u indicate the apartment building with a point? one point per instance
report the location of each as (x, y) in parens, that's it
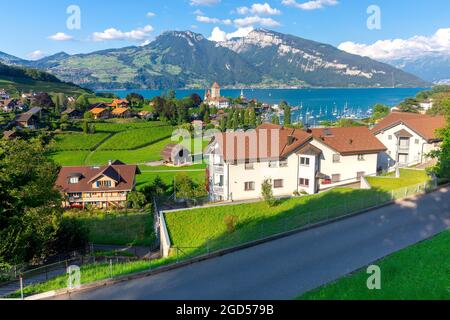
(409, 138)
(293, 160)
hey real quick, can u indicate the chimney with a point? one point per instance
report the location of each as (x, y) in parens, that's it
(351, 141)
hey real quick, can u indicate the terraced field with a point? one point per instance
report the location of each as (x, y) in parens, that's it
(131, 141)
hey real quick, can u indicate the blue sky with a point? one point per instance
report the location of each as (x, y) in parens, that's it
(28, 27)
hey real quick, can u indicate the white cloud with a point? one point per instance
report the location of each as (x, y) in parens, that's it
(204, 2)
(114, 34)
(146, 42)
(219, 36)
(60, 36)
(36, 55)
(310, 5)
(256, 20)
(151, 14)
(214, 20)
(199, 12)
(258, 9)
(402, 48)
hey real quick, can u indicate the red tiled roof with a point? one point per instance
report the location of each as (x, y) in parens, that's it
(351, 140)
(423, 125)
(97, 110)
(124, 174)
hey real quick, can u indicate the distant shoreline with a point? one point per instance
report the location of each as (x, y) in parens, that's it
(257, 88)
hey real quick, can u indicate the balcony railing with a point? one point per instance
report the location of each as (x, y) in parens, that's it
(403, 149)
(218, 189)
(219, 169)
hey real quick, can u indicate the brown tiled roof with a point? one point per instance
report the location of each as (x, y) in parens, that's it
(97, 110)
(120, 110)
(288, 141)
(348, 141)
(125, 174)
(423, 125)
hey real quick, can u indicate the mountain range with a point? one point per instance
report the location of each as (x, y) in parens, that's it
(186, 59)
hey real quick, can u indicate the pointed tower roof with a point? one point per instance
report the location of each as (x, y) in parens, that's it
(216, 85)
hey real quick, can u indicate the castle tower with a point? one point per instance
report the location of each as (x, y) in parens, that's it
(215, 91)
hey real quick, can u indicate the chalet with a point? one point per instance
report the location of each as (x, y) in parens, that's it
(121, 112)
(27, 120)
(99, 187)
(292, 160)
(120, 103)
(9, 105)
(9, 135)
(72, 113)
(146, 115)
(176, 155)
(409, 138)
(100, 113)
(98, 105)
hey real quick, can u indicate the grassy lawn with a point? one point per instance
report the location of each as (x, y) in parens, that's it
(16, 85)
(78, 141)
(167, 174)
(418, 272)
(69, 158)
(117, 228)
(192, 228)
(407, 178)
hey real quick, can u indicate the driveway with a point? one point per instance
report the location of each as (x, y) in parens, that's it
(287, 267)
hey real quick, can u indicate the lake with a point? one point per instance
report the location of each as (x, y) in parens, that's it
(317, 104)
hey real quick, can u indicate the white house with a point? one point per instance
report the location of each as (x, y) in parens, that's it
(293, 160)
(409, 137)
(3, 94)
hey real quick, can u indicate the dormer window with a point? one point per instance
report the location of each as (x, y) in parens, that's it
(74, 180)
(104, 184)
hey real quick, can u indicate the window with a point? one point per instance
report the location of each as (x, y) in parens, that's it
(303, 182)
(336, 158)
(249, 166)
(304, 161)
(278, 183)
(360, 157)
(106, 184)
(283, 164)
(417, 141)
(73, 180)
(250, 186)
(335, 178)
(273, 164)
(390, 137)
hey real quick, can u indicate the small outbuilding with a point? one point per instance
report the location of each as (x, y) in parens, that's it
(176, 155)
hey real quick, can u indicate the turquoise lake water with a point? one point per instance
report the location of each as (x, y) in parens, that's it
(317, 104)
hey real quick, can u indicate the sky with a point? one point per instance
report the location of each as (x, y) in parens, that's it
(380, 29)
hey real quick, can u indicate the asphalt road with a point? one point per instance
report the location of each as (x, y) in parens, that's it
(287, 267)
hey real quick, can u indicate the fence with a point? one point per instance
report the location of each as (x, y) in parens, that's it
(19, 279)
(257, 230)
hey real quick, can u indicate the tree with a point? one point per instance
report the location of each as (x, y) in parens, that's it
(287, 116)
(252, 118)
(135, 99)
(85, 126)
(30, 205)
(235, 121)
(57, 106)
(267, 193)
(247, 117)
(43, 100)
(442, 168)
(158, 105)
(275, 119)
(196, 99)
(186, 188)
(206, 118)
(82, 103)
(223, 124)
(380, 111)
(136, 200)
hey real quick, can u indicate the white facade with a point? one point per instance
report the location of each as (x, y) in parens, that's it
(344, 169)
(407, 150)
(306, 172)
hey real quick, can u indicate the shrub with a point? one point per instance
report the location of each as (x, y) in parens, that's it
(230, 223)
(267, 193)
(136, 200)
(71, 235)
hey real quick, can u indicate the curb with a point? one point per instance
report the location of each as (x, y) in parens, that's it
(144, 274)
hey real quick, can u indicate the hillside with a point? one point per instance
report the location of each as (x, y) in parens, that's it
(264, 58)
(20, 79)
